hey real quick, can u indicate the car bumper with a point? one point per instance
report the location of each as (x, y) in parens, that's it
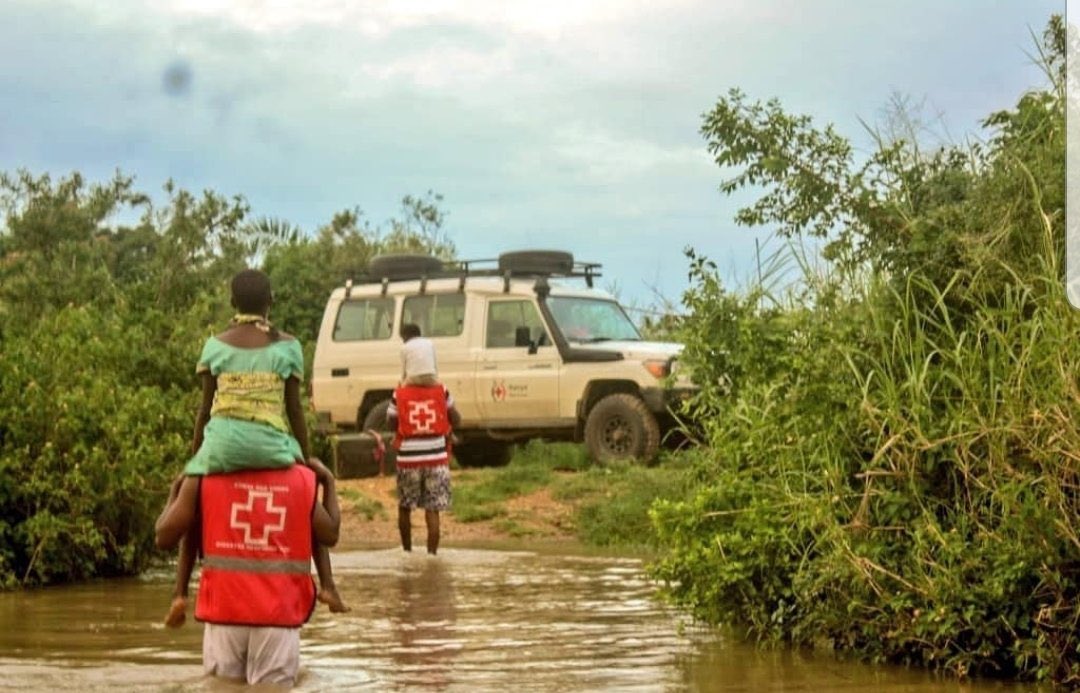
(661, 400)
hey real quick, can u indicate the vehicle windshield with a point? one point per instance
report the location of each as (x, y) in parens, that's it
(590, 320)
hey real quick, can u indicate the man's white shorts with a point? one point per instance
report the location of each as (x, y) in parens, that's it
(255, 654)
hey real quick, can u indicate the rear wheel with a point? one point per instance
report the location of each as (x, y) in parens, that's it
(620, 426)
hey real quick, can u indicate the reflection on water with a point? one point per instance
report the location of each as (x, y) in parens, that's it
(424, 625)
(466, 620)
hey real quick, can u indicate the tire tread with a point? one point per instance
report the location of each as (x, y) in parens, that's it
(650, 443)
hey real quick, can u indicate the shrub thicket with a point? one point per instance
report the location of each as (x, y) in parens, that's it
(100, 326)
(893, 463)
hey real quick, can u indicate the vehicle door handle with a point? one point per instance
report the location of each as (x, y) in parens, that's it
(539, 365)
(339, 372)
(490, 366)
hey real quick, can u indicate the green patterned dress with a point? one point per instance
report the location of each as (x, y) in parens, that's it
(247, 427)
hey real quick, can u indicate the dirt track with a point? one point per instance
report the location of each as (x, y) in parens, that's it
(536, 516)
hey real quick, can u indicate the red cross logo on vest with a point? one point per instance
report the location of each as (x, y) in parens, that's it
(257, 517)
(422, 416)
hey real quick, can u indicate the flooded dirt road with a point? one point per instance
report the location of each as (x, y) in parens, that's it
(467, 620)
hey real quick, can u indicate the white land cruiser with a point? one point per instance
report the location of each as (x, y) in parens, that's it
(524, 351)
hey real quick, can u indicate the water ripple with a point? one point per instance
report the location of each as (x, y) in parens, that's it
(467, 620)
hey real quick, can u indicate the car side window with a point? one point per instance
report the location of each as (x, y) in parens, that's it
(364, 319)
(438, 315)
(507, 319)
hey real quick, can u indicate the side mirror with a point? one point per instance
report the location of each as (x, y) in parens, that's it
(523, 338)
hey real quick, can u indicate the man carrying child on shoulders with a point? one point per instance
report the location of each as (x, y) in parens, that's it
(423, 415)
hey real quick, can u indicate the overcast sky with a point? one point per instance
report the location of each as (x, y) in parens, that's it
(558, 124)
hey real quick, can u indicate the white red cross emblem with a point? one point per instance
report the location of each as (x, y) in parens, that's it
(422, 416)
(257, 523)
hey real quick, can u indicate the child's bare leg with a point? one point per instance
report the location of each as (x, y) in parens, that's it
(328, 593)
(184, 566)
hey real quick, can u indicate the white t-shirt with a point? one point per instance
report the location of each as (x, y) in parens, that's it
(418, 357)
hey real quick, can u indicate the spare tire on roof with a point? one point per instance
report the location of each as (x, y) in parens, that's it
(537, 262)
(404, 265)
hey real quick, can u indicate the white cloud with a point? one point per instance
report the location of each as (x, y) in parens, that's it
(551, 19)
(437, 68)
(598, 157)
(573, 121)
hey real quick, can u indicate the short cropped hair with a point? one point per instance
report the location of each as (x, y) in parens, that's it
(251, 291)
(410, 330)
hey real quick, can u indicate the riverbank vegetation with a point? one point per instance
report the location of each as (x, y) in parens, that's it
(889, 459)
(893, 445)
(105, 299)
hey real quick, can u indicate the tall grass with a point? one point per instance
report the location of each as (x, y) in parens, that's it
(893, 465)
(910, 490)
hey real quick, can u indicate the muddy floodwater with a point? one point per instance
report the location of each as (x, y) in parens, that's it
(468, 620)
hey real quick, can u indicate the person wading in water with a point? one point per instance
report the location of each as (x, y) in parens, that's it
(251, 375)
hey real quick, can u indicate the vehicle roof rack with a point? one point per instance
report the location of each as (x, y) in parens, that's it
(514, 265)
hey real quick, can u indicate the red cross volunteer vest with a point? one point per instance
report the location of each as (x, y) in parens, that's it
(423, 424)
(256, 542)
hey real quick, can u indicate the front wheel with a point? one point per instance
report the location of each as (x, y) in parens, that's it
(620, 426)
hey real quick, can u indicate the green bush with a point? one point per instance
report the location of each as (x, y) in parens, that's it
(84, 447)
(100, 327)
(892, 462)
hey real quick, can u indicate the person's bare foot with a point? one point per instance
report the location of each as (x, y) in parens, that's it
(177, 613)
(330, 597)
